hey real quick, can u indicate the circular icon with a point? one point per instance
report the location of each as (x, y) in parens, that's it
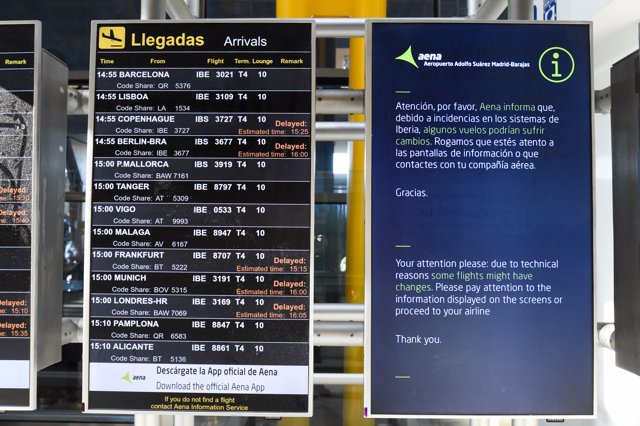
(556, 64)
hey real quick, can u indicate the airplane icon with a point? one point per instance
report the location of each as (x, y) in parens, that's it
(112, 38)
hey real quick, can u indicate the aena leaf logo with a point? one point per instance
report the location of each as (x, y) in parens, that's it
(407, 56)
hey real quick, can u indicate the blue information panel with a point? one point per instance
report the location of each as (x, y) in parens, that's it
(480, 249)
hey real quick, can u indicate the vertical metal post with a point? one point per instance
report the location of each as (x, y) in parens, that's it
(146, 420)
(490, 9)
(437, 9)
(153, 9)
(520, 10)
(183, 420)
(354, 356)
(197, 7)
(472, 7)
(524, 422)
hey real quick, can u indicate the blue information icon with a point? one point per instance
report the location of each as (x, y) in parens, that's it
(556, 64)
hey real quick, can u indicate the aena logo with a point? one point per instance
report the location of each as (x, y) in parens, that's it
(129, 378)
(430, 56)
(407, 56)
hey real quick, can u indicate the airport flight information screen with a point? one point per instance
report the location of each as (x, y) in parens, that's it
(200, 234)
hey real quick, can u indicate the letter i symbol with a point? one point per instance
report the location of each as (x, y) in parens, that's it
(552, 65)
(555, 55)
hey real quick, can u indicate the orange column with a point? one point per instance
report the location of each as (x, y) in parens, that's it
(293, 8)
